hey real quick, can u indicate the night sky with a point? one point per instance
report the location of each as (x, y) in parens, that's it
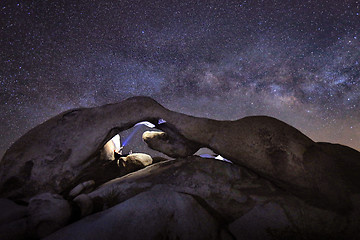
(296, 60)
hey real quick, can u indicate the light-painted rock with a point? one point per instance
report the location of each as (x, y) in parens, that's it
(170, 143)
(108, 151)
(110, 148)
(53, 156)
(136, 161)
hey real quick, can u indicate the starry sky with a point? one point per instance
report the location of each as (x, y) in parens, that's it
(296, 60)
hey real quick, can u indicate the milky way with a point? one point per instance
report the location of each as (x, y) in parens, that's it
(295, 60)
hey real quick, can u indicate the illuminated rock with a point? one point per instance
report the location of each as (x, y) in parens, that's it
(136, 161)
(170, 143)
(110, 148)
(53, 156)
(313, 184)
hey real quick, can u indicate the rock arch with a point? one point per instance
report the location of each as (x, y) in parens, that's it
(267, 146)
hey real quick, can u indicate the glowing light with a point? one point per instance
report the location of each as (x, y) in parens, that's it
(146, 123)
(218, 157)
(161, 121)
(137, 127)
(131, 135)
(116, 141)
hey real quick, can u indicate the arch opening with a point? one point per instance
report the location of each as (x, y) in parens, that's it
(125, 142)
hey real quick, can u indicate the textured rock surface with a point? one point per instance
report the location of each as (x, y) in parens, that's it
(251, 206)
(51, 156)
(107, 152)
(156, 214)
(170, 143)
(136, 161)
(282, 184)
(277, 152)
(47, 213)
(270, 147)
(218, 183)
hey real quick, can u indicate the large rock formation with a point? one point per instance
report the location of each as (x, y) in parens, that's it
(218, 183)
(50, 157)
(278, 173)
(156, 214)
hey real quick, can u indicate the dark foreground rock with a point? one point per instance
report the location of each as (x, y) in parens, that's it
(282, 185)
(240, 201)
(154, 214)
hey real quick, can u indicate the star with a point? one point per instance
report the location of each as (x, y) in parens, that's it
(296, 61)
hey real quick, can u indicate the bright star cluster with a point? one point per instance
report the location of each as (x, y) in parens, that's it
(294, 60)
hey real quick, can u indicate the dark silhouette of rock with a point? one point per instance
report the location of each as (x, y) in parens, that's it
(274, 150)
(347, 162)
(195, 176)
(236, 201)
(277, 172)
(10, 211)
(14, 230)
(47, 213)
(155, 214)
(13, 222)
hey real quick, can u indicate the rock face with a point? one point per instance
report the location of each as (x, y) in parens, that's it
(47, 213)
(136, 161)
(218, 183)
(170, 143)
(107, 152)
(282, 184)
(13, 222)
(155, 214)
(251, 206)
(50, 157)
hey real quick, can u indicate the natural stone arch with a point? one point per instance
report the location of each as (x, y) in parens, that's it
(265, 145)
